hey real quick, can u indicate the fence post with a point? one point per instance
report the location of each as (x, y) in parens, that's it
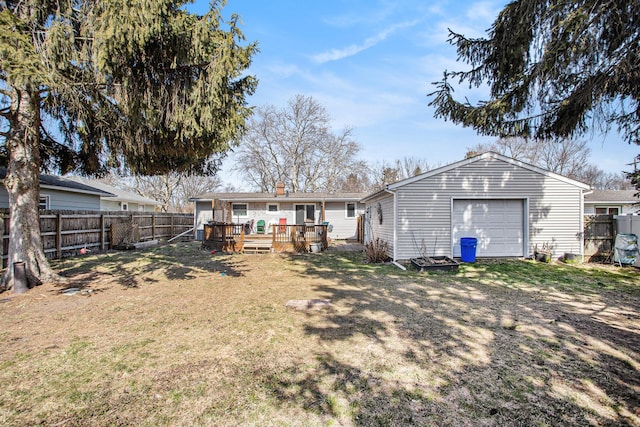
(173, 231)
(103, 233)
(2, 240)
(59, 235)
(153, 226)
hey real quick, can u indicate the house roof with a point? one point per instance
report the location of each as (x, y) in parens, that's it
(271, 197)
(58, 182)
(115, 194)
(626, 197)
(480, 157)
(485, 156)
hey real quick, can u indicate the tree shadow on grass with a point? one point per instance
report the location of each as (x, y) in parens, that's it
(495, 344)
(131, 269)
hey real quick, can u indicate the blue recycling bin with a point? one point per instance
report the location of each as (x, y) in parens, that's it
(468, 249)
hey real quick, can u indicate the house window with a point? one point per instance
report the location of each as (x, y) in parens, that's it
(305, 213)
(351, 210)
(311, 213)
(607, 211)
(272, 207)
(124, 206)
(239, 209)
(44, 202)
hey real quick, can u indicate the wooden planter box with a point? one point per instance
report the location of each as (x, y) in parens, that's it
(435, 263)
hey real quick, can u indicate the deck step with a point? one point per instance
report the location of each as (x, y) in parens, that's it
(257, 247)
(256, 250)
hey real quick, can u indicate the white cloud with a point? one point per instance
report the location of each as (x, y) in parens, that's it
(336, 54)
(484, 11)
(372, 15)
(284, 70)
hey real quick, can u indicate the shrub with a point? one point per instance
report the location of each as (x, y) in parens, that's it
(376, 251)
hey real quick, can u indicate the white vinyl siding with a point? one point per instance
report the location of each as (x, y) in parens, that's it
(116, 205)
(424, 206)
(341, 227)
(384, 230)
(64, 200)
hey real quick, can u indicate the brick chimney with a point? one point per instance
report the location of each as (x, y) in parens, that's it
(280, 189)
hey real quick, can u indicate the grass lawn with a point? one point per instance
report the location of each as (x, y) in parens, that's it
(177, 336)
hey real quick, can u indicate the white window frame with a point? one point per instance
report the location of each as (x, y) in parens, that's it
(246, 209)
(124, 206)
(346, 210)
(47, 202)
(277, 205)
(608, 208)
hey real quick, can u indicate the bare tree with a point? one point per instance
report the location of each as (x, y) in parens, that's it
(522, 149)
(173, 190)
(191, 186)
(384, 173)
(158, 187)
(358, 181)
(568, 157)
(411, 166)
(295, 145)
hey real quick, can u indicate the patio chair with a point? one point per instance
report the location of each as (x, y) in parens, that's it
(260, 228)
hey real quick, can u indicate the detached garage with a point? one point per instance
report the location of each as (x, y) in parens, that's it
(507, 205)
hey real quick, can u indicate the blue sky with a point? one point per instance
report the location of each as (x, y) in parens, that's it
(371, 63)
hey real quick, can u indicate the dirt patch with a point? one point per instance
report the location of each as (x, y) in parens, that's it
(176, 335)
(308, 304)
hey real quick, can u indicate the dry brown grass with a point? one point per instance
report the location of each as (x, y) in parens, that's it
(167, 339)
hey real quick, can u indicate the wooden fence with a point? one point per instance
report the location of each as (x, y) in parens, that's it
(599, 237)
(66, 232)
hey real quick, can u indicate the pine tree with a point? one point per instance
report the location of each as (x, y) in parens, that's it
(136, 84)
(555, 69)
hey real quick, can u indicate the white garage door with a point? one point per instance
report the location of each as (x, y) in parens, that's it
(497, 224)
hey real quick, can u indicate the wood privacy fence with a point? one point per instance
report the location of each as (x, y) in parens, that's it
(66, 232)
(599, 237)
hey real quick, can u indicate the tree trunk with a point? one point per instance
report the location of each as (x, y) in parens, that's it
(23, 186)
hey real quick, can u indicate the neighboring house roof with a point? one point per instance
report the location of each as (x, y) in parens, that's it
(624, 197)
(58, 182)
(114, 193)
(465, 162)
(272, 197)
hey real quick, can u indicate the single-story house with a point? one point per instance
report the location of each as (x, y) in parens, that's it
(611, 202)
(118, 200)
(57, 193)
(339, 210)
(507, 205)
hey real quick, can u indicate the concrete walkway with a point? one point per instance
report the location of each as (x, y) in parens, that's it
(345, 246)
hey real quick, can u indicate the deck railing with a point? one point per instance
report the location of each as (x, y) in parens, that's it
(298, 238)
(224, 237)
(229, 237)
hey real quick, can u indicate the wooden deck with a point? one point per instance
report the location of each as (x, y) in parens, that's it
(281, 238)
